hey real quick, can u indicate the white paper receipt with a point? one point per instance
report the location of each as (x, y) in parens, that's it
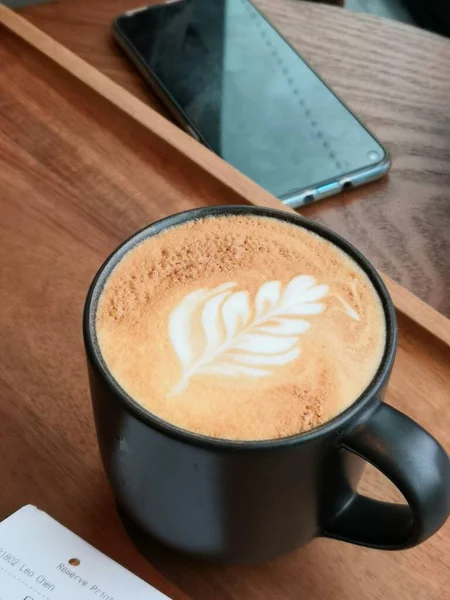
(42, 560)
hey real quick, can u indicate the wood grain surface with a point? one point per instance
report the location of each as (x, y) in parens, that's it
(77, 176)
(393, 75)
(166, 135)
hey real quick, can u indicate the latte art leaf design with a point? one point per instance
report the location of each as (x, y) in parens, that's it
(224, 332)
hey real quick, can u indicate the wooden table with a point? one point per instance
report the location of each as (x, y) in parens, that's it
(394, 76)
(77, 176)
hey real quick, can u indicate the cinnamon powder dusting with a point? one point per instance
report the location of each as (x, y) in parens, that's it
(333, 347)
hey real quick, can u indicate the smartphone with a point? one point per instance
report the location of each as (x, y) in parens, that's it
(236, 85)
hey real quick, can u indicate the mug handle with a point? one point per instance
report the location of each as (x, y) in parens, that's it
(416, 463)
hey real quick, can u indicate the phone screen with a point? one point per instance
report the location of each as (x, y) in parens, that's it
(248, 95)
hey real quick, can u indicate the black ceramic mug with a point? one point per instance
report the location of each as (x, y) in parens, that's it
(251, 501)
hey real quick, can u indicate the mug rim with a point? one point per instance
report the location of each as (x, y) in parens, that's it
(338, 423)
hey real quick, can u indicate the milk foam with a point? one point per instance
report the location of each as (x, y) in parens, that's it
(240, 335)
(241, 327)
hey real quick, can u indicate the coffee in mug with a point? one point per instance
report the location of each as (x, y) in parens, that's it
(238, 359)
(241, 327)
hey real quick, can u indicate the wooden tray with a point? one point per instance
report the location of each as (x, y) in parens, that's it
(83, 164)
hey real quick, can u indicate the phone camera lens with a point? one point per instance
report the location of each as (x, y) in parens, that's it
(373, 155)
